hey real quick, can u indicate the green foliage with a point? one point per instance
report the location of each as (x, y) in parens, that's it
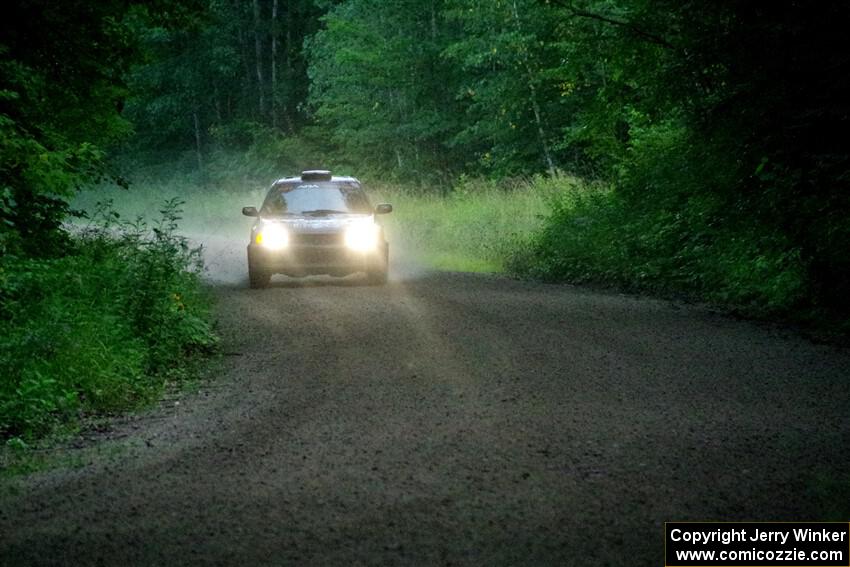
(380, 89)
(85, 317)
(224, 78)
(37, 183)
(58, 104)
(594, 234)
(508, 89)
(710, 136)
(101, 328)
(716, 128)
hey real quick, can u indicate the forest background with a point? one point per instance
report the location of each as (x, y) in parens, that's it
(695, 148)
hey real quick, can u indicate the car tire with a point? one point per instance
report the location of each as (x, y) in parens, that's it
(377, 277)
(257, 278)
(379, 274)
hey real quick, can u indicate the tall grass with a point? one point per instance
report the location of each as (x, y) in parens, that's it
(102, 328)
(475, 227)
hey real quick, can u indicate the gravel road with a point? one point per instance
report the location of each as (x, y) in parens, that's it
(451, 419)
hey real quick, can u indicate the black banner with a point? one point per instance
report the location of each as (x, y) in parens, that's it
(757, 544)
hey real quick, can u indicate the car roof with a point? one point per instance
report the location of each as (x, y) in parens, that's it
(334, 179)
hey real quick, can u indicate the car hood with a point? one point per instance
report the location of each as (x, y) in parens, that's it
(307, 224)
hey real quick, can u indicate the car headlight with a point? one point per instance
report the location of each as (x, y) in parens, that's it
(272, 236)
(362, 237)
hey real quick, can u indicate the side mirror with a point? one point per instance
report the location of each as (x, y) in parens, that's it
(250, 211)
(383, 209)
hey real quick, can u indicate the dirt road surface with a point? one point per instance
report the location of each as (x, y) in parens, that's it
(451, 419)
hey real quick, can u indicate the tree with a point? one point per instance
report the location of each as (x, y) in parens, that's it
(509, 89)
(60, 96)
(381, 89)
(220, 80)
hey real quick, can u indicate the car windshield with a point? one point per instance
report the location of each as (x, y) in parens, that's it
(317, 198)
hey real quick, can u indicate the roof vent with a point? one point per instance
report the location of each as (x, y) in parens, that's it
(316, 175)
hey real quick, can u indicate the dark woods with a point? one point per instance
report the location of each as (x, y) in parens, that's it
(720, 127)
(736, 108)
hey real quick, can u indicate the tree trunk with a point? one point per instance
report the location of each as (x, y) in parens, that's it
(287, 68)
(258, 50)
(535, 106)
(274, 64)
(434, 20)
(243, 43)
(547, 157)
(244, 53)
(198, 153)
(287, 46)
(217, 99)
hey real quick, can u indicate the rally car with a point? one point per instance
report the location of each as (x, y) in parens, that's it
(317, 223)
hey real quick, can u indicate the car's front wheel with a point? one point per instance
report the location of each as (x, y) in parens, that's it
(378, 274)
(377, 277)
(258, 278)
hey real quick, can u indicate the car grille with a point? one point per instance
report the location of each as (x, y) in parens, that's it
(317, 239)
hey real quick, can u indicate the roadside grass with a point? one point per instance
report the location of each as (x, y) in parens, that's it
(693, 247)
(472, 228)
(53, 452)
(79, 442)
(101, 329)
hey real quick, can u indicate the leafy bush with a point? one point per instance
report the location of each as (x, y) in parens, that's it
(594, 233)
(103, 327)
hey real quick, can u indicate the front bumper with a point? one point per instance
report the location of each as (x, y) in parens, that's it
(302, 260)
